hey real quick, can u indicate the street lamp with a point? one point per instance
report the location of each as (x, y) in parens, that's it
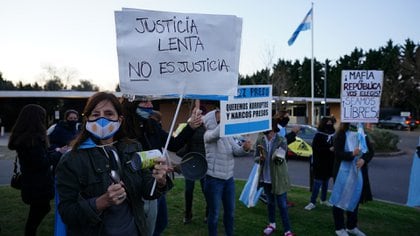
(324, 78)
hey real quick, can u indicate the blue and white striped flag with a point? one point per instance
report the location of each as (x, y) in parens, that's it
(305, 25)
(414, 186)
(251, 192)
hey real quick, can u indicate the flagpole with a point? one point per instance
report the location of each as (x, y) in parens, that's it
(312, 68)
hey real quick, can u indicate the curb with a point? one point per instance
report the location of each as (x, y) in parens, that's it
(389, 154)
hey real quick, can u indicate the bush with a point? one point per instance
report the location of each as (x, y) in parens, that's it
(384, 141)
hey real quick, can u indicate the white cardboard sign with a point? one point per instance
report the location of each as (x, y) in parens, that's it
(361, 95)
(167, 53)
(247, 112)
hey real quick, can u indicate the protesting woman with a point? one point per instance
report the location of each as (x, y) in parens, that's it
(349, 156)
(102, 180)
(29, 139)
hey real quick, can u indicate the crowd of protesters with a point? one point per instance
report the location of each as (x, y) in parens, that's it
(105, 188)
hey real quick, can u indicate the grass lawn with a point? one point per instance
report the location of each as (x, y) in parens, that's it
(375, 218)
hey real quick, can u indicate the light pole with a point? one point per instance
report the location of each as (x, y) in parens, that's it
(285, 97)
(325, 88)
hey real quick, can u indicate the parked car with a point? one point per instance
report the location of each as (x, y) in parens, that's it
(398, 122)
(301, 148)
(306, 132)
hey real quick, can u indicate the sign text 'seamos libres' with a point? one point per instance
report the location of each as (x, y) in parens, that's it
(190, 41)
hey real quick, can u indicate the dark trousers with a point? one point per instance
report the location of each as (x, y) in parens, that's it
(189, 192)
(162, 216)
(338, 215)
(37, 212)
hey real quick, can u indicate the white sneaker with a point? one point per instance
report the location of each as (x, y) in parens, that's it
(326, 203)
(310, 206)
(341, 232)
(269, 229)
(356, 232)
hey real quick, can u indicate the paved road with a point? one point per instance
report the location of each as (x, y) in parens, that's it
(389, 176)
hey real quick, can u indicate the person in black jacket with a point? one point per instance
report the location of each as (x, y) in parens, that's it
(341, 154)
(195, 144)
(282, 119)
(140, 126)
(64, 131)
(29, 138)
(101, 182)
(323, 161)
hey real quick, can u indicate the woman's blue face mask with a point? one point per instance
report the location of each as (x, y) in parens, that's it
(103, 128)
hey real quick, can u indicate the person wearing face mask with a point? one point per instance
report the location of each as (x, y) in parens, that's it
(281, 118)
(102, 180)
(62, 133)
(140, 125)
(274, 177)
(350, 156)
(322, 161)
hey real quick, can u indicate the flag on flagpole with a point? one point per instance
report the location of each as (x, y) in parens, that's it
(305, 25)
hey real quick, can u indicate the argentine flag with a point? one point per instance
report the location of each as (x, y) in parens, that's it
(305, 25)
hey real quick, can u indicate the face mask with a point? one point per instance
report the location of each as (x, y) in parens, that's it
(72, 123)
(144, 112)
(103, 128)
(329, 128)
(353, 127)
(283, 122)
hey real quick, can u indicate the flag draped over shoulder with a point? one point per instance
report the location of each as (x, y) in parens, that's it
(305, 25)
(414, 186)
(348, 185)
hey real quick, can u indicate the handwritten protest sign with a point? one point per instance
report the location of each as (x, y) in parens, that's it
(361, 95)
(248, 112)
(162, 53)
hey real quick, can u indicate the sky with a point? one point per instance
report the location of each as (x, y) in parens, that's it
(80, 36)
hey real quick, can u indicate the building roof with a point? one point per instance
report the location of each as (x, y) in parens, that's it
(86, 94)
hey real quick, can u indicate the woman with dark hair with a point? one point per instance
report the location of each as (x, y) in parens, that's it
(149, 132)
(343, 153)
(322, 161)
(29, 138)
(101, 182)
(64, 131)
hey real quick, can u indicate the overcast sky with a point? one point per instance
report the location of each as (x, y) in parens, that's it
(80, 34)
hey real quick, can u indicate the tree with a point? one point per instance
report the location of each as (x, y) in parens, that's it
(54, 85)
(410, 73)
(85, 85)
(281, 77)
(5, 85)
(64, 74)
(393, 83)
(259, 77)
